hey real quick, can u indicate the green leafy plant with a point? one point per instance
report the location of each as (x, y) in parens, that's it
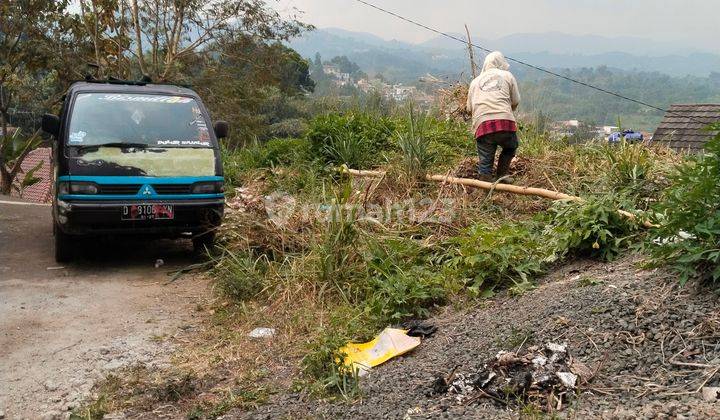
(490, 258)
(401, 284)
(592, 228)
(689, 237)
(354, 139)
(29, 179)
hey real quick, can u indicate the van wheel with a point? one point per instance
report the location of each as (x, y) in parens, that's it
(63, 250)
(203, 242)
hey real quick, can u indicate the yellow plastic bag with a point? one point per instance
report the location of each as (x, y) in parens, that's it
(390, 343)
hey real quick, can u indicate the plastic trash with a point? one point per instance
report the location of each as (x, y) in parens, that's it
(262, 333)
(390, 343)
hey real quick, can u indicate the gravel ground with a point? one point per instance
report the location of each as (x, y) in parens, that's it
(652, 344)
(62, 328)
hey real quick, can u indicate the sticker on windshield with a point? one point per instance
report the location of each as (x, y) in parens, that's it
(184, 143)
(77, 137)
(147, 98)
(137, 116)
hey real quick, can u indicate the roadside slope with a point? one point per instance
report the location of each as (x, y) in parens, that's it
(653, 345)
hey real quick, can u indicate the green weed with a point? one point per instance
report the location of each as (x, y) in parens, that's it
(490, 258)
(689, 237)
(353, 139)
(414, 146)
(240, 276)
(590, 228)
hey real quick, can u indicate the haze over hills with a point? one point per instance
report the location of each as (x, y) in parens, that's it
(402, 61)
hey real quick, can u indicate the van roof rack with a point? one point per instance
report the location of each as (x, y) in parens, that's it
(142, 82)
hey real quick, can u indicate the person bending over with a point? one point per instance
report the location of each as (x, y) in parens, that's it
(493, 97)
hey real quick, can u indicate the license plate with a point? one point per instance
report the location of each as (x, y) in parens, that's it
(148, 212)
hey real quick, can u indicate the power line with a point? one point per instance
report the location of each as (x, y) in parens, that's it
(532, 66)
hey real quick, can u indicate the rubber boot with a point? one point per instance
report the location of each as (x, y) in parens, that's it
(486, 178)
(503, 168)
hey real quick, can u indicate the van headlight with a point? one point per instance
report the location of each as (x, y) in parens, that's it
(214, 187)
(80, 188)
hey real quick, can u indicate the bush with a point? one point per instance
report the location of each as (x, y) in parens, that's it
(401, 285)
(353, 139)
(258, 155)
(404, 294)
(591, 228)
(689, 213)
(489, 258)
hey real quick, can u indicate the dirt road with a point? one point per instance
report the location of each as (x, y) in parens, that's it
(63, 328)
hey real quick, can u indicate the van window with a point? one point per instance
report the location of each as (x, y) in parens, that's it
(153, 120)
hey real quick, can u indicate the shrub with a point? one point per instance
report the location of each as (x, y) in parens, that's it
(590, 228)
(404, 294)
(489, 258)
(353, 139)
(633, 169)
(401, 285)
(689, 237)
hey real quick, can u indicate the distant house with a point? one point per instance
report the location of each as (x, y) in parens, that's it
(683, 128)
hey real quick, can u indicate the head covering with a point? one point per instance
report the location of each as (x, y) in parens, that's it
(495, 60)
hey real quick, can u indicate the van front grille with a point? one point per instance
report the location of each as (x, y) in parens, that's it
(168, 189)
(119, 189)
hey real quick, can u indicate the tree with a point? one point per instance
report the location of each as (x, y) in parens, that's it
(252, 83)
(159, 37)
(27, 31)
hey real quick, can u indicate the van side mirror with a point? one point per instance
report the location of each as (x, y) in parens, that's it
(221, 129)
(51, 124)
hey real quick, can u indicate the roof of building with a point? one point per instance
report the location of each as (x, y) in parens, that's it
(684, 126)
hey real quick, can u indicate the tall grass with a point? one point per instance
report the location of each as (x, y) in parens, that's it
(349, 278)
(415, 146)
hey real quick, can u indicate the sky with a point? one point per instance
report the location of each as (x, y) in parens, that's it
(690, 22)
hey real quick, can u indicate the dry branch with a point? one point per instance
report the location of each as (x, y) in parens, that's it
(514, 189)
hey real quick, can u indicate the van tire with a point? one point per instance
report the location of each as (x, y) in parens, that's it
(203, 242)
(63, 246)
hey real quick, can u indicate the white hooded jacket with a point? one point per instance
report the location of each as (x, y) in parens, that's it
(493, 95)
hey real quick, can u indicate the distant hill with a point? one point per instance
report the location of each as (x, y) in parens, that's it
(401, 61)
(560, 43)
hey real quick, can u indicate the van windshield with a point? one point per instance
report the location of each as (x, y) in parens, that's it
(139, 120)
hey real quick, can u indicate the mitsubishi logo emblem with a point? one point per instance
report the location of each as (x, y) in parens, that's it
(147, 191)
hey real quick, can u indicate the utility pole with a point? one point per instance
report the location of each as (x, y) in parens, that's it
(473, 66)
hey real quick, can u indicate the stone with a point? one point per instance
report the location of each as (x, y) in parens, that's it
(710, 393)
(50, 385)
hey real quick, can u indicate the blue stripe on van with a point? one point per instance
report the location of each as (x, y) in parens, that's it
(140, 179)
(143, 181)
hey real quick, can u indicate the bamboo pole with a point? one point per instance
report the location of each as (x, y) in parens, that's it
(514, 189)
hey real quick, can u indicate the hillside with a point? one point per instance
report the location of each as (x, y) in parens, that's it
(444, 56)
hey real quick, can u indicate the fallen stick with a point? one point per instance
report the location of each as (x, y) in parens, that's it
(514, 189)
